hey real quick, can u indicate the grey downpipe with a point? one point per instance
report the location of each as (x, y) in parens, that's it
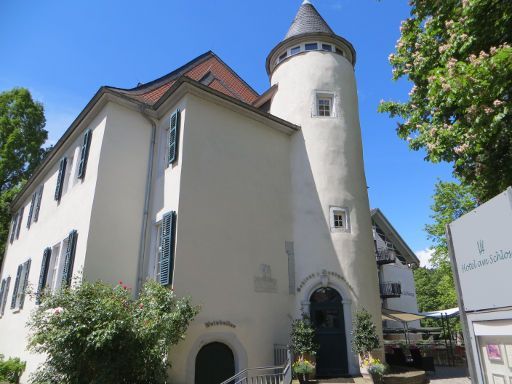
(147, 200)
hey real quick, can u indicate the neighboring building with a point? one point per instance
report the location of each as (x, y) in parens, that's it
(395, 261)
(256, 206)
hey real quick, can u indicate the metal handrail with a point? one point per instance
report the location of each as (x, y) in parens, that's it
(241, 374)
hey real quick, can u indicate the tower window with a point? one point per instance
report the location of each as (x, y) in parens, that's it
(311, 46)
(339, 219)
(295, 50)
(283, 56)
(326, 47)
(324, 106)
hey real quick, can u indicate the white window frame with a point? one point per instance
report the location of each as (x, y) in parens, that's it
(344, 212)
(70, 174)
(324, 95)
(53, 280)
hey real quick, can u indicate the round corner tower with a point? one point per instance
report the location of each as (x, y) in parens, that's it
(313, 70)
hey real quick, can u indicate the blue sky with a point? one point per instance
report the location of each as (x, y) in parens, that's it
(63, 51)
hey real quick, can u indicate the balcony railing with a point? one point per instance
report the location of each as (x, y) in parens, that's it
(390, 290)
(385, 256)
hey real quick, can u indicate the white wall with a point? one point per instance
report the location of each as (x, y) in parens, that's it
(233, 216)
(55, 222)
(407, 302)
(327, 170)
(116, 220)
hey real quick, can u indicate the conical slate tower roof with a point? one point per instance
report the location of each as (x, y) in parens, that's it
(308, 20)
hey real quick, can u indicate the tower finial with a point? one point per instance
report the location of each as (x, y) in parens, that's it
(306, 2)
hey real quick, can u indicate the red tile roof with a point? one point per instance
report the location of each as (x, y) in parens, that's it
(221, 78)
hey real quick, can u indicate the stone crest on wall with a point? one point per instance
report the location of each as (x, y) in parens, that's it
(265, 282)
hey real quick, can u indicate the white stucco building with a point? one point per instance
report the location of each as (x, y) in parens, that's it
(395, 261)
(254, 205)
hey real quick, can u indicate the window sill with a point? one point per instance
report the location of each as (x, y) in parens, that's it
(324, 117)
(340, 230)
(16, 310)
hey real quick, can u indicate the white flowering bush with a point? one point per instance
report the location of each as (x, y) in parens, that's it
(458, 55)
(96, 333)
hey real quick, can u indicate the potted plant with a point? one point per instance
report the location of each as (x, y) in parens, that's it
(303, 369)
(365, 340)
(304, 348)
(376, 370)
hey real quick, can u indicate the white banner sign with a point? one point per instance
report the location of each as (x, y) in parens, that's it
(482, 244)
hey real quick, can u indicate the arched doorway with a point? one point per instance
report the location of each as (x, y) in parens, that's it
(327, 317)
(214, 364)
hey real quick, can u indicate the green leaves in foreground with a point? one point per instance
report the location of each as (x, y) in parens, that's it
(93, 333)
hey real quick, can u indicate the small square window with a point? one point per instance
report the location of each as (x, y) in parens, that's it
(327, 47)
(295, 50)
(324, 106)
(311, 46)
(339, 219)
(283, 56)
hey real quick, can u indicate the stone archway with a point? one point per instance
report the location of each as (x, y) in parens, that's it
(326, 313)
(215, 363)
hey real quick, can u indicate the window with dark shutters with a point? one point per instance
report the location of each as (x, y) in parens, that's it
(31, 210)
(3, 298)
(174, 132)
(20, 219)
(60, 178)
(69, 259)
(13, 230)
(43, 274)
(26, 271)
(38, 203)
(84, 154)
(167, 240)
(16, 286)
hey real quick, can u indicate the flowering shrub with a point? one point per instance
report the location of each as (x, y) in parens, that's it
(303, 366)
(375, 368)
(96, 333)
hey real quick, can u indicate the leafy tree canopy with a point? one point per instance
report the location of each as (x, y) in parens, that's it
(458, 55)
(95, 333)
(22, 135)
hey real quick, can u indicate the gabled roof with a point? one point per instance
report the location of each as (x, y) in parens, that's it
(392, 234)
(207, 68)
(308, 20)
(206, 75)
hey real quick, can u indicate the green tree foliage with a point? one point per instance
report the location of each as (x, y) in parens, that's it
(458, 56)
(11, 369)
(451, 201)
(95, 333)
(435, 286)
(364, 335)
(22, 135)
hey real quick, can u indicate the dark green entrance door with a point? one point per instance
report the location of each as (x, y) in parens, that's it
(327, 317)
(214, 364)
